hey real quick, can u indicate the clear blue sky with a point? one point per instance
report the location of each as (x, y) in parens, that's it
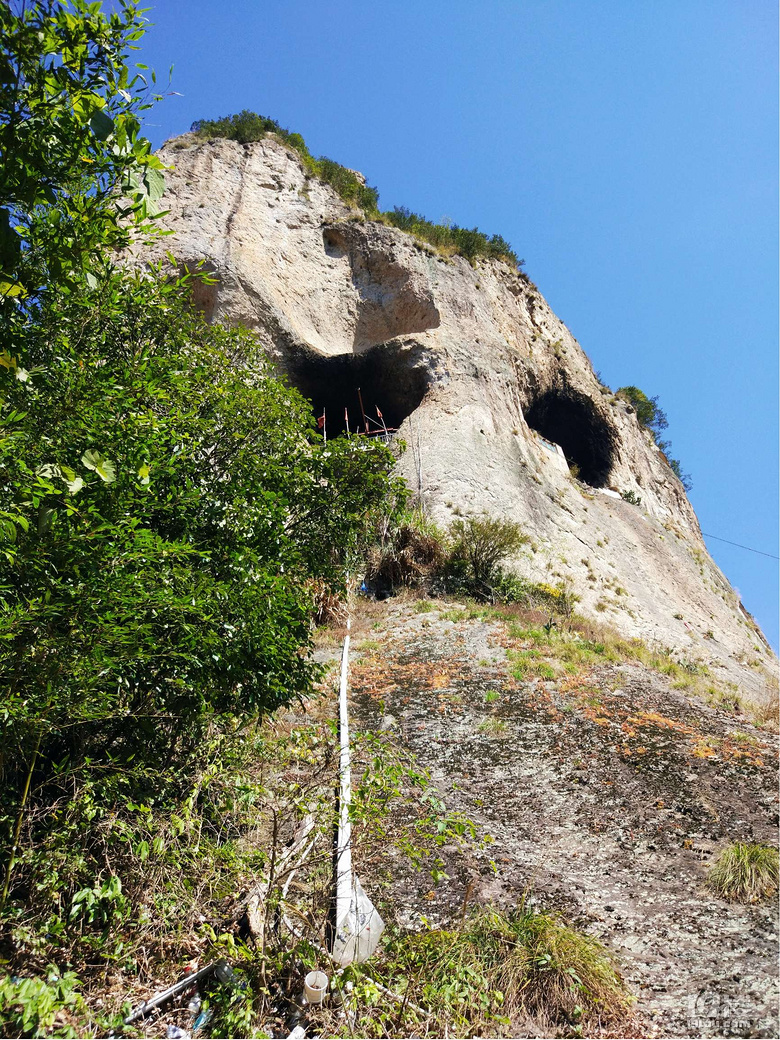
(627, 150)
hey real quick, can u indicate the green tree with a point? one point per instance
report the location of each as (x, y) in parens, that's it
(648, 411)
(78, 175)
(165, 506)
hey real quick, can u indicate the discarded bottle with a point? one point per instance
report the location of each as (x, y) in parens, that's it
(176, 1033)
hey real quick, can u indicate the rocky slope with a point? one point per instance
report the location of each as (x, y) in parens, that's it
(482, 380)
(606, 792)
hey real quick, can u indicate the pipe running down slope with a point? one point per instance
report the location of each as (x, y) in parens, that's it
(358, 924)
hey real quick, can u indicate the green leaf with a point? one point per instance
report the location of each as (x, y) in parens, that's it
(102, 125)
(86, 105)
(104, 468)
(155, 183)
(12, 289)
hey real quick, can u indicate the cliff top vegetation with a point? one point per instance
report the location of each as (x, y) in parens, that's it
(449, 239)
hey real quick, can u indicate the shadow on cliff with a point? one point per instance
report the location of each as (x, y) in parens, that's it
(391, 378)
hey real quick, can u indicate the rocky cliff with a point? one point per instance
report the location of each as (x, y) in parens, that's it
(498, 404)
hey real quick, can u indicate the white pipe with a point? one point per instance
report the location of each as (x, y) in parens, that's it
(344, 840)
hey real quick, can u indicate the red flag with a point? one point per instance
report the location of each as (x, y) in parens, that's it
(321, 421)
(379, 413)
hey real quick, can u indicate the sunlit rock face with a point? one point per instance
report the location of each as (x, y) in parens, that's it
(497, 403)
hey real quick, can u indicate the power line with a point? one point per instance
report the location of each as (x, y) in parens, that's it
(717, 539)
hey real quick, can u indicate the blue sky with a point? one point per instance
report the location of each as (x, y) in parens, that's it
(628, 151)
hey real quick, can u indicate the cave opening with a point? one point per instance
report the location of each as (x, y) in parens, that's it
(390, 380)
(585, 435)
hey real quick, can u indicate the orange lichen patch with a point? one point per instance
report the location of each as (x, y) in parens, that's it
(575, 684)
(627, 751)
(440, 680)
(736, 750)
(652, 718)
(702, 749)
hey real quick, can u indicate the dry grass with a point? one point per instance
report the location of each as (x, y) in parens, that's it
(498, 971)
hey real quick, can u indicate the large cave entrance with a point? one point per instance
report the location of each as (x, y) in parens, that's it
(573, 421)
(391, 381)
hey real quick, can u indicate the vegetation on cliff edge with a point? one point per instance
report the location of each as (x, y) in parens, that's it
(650, 415)
(470, 243)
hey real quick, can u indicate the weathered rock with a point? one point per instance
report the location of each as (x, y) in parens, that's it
(472, 366)
(605, 793)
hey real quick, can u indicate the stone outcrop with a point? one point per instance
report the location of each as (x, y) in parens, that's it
(498, 404)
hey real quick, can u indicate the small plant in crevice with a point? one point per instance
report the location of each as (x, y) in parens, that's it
(493, 727)
(745, 872)
(631, 497)
(650, 415)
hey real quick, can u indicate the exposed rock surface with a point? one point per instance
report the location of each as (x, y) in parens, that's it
(471, 364)
(606, 793)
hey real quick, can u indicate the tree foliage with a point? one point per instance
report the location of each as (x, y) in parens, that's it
(70, 140)
(171, 509)
(648, 411)
(165, 506)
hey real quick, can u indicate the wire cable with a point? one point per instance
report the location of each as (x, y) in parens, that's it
(760, 553)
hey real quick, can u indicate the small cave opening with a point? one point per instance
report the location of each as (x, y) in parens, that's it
(391, 381)
(573, 421)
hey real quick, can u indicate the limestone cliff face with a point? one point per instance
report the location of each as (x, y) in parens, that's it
(482, 380)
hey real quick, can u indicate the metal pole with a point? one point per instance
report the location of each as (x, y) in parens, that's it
(362, 409)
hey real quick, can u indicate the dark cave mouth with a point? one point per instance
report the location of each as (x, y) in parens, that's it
(390, 380)
(586, 437)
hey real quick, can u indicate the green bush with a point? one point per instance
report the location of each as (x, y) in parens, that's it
(478, 544)
(467, 242)
(32, 1006)
(498, 969)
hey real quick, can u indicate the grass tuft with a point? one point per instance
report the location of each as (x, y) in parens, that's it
(507, 968)
(493, 727)
(745, 872)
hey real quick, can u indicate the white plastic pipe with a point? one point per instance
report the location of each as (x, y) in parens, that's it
(344, 839)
